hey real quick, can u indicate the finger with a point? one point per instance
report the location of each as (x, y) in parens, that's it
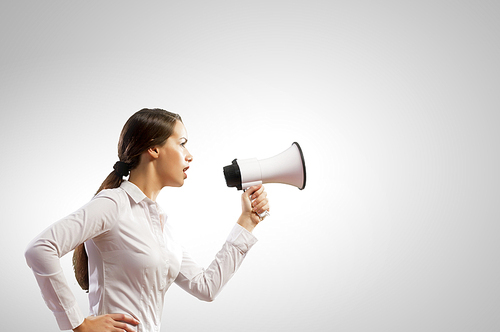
(123, 330)
(263, 206)
(266, 207)
(254, 190)
(124, 318)
(116, 329)
(123, 326)
(259, 199)
(259, 194)
(259, 202)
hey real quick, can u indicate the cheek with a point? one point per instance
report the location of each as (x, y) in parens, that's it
(181, 156)
(166, 166)
(174, 161)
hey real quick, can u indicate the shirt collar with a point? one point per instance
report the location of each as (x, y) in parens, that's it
(133, 191)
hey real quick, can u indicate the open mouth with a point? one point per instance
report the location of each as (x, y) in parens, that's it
(185, 170)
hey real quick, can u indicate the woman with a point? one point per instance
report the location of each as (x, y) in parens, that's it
(125, 255)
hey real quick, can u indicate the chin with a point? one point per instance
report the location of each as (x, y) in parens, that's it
(174, 184)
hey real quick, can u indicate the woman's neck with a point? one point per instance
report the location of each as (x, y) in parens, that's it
(145, 178)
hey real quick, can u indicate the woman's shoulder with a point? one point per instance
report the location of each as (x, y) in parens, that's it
(118, 195)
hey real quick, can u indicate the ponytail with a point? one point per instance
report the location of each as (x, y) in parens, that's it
(80, 257)
(145, 129)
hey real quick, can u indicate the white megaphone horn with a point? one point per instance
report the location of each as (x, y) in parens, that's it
(288, 167)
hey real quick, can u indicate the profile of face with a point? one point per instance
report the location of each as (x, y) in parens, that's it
(173, 158)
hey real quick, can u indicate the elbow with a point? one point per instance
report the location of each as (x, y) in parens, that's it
(208, 298)
(199, 286)
(208, 295)
(212, 293)
(36, 253)
(30, 254)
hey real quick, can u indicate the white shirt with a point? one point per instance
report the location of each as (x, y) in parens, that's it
(133, 259)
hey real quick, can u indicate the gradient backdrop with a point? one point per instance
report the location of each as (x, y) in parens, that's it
(396, 105)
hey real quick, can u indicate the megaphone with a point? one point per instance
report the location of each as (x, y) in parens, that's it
(288, 167)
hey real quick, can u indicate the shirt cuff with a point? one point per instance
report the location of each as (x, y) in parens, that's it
(69, 319)
(241, 238)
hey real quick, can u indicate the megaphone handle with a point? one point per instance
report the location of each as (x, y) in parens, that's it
(263, 214)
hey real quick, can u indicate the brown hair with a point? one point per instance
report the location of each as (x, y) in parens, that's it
(143, 130)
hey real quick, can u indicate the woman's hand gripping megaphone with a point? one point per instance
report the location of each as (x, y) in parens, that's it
(255, 206)
(257, 203)
(288, 167)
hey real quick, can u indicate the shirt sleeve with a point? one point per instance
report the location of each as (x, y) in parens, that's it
(43, 253)
(206, 284)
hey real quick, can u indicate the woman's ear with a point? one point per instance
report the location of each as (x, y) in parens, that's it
(154, 152)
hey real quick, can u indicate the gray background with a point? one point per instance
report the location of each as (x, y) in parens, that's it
(395, 104)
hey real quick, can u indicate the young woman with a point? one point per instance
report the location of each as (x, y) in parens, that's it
(125, 255)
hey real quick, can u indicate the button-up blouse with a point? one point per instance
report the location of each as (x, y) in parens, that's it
(133, 259)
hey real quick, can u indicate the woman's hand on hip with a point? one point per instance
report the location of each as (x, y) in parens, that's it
(107, 323)
(253, 202)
